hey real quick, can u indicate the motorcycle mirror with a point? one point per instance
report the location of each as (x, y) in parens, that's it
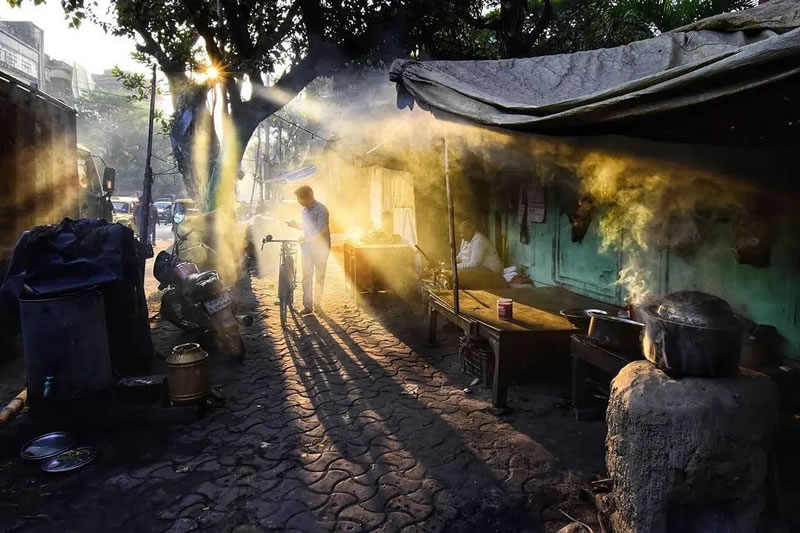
(268, 238)
(109, 179)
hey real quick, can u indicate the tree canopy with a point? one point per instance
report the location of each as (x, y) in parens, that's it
(276, 48)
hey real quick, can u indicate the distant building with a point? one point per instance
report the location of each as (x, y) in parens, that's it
(59, 79)
(22, 51)
(66, 81)
(109, 83)
(82, 81)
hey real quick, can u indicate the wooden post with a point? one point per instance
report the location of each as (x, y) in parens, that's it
(258, 170)
(452, 224)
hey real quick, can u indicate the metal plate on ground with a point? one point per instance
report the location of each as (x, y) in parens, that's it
(70, 460)
(47, 446)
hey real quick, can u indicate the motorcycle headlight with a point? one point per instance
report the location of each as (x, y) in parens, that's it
(179, 217)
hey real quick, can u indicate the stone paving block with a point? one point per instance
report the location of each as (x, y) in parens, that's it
(175, 509)
(328, 481)
(347, 526)
(395, 521)
(360, 491)
(377, 504)
(336, 502)
(322, 463)
(402, 503)
(358, 514)
(282, 513)
(313, 500)
(355, 469)
(207, 489)
(182, 525)
(401, 459)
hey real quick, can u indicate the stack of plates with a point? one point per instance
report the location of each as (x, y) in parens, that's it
(57, 453)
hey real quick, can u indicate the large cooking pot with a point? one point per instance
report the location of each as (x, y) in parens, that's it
(618, 334)
(693, 334)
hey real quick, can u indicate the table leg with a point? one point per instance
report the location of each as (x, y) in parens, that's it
(499, 380)
(578, 383)
(433, 316)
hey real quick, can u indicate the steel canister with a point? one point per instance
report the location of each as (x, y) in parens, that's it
(187, 373)
(505, 309)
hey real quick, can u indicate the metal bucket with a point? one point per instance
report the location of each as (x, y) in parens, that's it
(67, 362)
(187, 373)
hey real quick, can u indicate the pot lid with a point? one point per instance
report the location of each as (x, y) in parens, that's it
(70, 460)
(47, 446)
(696, 309)
(183, 354)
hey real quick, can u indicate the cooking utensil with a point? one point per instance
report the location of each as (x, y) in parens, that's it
(70, 460)
(47, 446)
(618, 334)
(187, 373)
(693, 334)
(580, 318)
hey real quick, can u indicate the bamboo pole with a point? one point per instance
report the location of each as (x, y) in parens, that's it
(451, 223)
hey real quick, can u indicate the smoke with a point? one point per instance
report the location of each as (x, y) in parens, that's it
(647, 198)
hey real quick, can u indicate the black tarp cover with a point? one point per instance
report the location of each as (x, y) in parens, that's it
(663, 88)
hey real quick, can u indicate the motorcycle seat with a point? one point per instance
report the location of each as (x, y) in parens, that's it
(207, 284)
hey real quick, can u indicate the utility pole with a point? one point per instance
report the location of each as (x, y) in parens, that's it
(147, 187)
(267, 161)
(280, 147)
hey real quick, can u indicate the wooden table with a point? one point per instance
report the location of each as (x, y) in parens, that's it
(588, 355)
(537, 331)
(377, 267)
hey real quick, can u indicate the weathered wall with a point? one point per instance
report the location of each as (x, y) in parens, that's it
(767, 296)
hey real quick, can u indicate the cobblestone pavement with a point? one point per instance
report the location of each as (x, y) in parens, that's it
(344, 422)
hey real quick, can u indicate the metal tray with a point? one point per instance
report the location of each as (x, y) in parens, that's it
(47, 446)
(70, 460)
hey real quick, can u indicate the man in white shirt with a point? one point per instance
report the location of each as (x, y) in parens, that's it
(315, 249)
(479, 264)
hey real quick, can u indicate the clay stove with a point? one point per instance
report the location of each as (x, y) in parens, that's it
(687, 453)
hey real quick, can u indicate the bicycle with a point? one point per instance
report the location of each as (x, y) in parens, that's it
(287, 274)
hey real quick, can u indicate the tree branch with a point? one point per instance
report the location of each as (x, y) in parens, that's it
(267, 41)
(266, 101)
(541, 24)
(236, 20)
(314, 23)
(201, 19)
(152, 48)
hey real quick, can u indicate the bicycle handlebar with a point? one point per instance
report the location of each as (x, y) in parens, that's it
(269, 238)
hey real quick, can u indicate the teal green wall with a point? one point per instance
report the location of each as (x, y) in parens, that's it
(766, 296)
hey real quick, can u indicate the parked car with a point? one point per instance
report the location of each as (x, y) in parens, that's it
(164, 208)
(123, 210)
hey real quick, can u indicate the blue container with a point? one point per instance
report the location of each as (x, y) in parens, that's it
(67, 363)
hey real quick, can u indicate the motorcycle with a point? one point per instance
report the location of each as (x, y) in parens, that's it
(197, 301)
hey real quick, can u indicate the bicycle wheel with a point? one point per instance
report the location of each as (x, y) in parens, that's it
(284, 292)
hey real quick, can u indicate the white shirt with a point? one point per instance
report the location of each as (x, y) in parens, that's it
(479, 252)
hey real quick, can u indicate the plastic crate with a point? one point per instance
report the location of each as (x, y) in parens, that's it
(477, 359)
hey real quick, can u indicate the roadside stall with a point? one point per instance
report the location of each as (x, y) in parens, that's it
(668, 167)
